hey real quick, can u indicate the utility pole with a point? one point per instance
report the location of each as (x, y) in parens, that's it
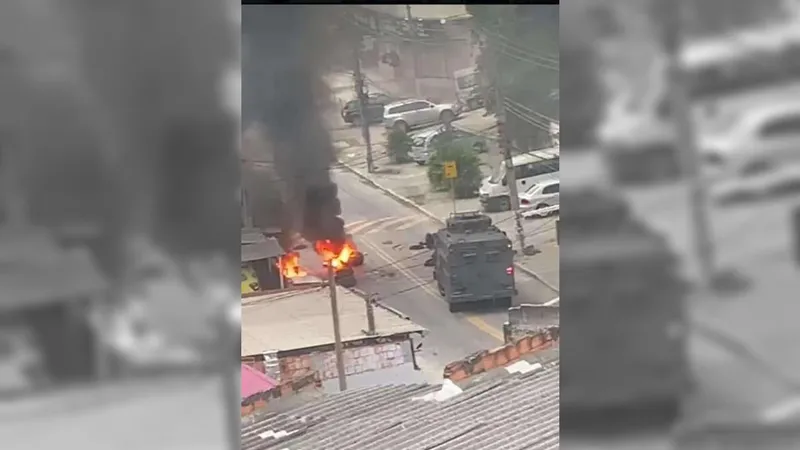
(685, 139)
(505, 146)
(363, 102)
(247, 213)
(337, 334)
(412, 26)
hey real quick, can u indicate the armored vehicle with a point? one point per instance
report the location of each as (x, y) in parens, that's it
(473, 262)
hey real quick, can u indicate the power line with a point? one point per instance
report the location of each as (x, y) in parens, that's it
(404, 291)
(417, 40)
(526, 118)
(511, 44)
(523, 107)
(524, 56)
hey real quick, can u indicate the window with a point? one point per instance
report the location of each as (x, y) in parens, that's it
(552, 189)
(416, 106)
(780, 127)
(543, 167)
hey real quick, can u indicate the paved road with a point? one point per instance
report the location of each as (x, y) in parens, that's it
(753, 239)
(384, 229)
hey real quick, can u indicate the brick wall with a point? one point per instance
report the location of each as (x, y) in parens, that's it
(307, 383)
(502, 356)
(356, 360)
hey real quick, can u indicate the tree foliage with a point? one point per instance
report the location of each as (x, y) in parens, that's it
(398, 146)
(521, 58)
(467, 163)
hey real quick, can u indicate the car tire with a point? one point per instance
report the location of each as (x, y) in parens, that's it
(420, 163)
(542, 206)
(446, 116)
(473, 104)
(401, 125)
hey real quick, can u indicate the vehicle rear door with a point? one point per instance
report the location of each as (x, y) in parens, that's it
(550, 194)
(419, 112)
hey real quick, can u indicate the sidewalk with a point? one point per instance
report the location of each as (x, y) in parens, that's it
(408, 183)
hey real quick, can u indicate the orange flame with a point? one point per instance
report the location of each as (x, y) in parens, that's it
(289, 264)
(338, 254)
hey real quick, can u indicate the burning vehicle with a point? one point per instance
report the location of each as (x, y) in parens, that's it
(342, 257)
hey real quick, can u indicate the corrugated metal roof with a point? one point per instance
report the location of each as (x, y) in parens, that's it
(519, 411)
(268, 248)
(298, 319)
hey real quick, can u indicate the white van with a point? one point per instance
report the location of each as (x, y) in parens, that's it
(529, 168)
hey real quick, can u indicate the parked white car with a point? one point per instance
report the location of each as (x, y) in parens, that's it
(408, 114)
(541, 195)
(425, 141)
(756, 139)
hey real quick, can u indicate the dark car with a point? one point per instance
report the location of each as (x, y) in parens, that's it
(352, 115)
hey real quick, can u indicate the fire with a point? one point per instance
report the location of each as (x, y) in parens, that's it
(338, 253)
(289, 264)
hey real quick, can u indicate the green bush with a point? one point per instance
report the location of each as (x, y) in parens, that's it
(467, 163)
(399, 146)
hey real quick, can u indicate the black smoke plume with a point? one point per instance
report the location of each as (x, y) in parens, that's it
(281, 91)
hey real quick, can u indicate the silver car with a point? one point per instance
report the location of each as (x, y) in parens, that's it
(408, 114)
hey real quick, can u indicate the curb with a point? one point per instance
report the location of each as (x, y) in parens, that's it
(403, 200)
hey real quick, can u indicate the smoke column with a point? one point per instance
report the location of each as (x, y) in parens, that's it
(281, 88)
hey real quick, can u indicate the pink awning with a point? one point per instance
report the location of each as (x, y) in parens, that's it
(254, 382)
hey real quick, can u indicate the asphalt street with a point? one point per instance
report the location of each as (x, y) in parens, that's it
(752, 239)
(383, 230)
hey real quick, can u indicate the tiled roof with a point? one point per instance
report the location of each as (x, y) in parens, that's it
(518, 411)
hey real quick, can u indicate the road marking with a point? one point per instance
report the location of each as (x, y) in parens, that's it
(416, 221)
(782, 411)
(388, 224)
(476, 321)
(364, 225)
(482, 325)
(352, 225)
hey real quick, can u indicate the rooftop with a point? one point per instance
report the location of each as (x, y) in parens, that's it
(254, 382)
(301, 318)
(265, 249)
(517, 411)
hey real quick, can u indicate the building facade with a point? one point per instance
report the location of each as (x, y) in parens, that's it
(415, 50)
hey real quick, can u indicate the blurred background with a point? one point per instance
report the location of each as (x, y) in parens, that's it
(117, 241)
(678, 230)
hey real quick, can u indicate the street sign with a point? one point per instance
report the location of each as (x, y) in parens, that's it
(450, 170)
